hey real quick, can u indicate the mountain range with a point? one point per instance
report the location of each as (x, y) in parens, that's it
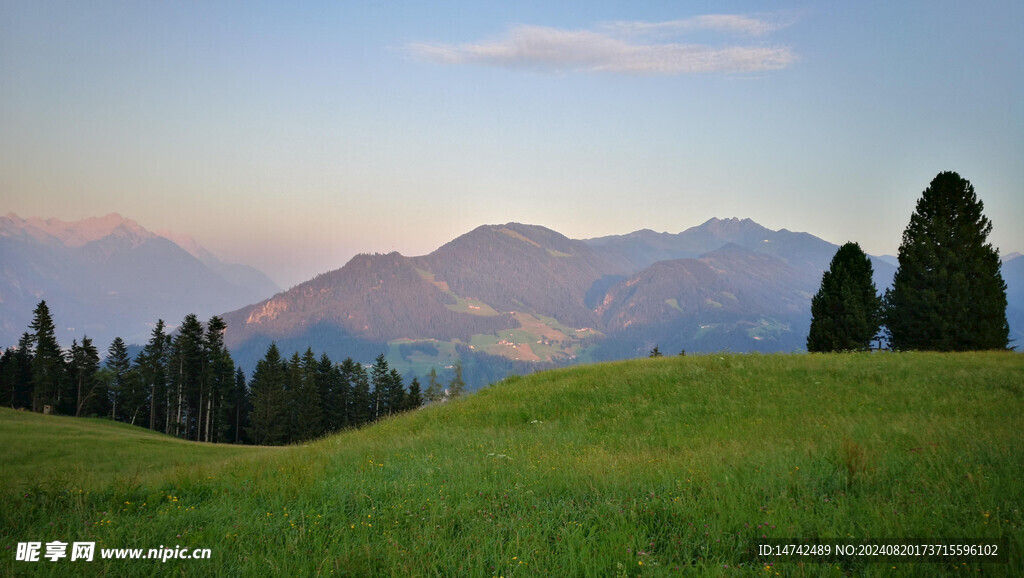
(501, 299)
(515, 297)
(108, 276)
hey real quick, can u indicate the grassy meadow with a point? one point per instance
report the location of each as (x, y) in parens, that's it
(652, 467)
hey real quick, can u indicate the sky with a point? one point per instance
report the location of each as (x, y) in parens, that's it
(292, 136)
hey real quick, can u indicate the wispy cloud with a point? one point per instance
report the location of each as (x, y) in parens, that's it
(731, 23)
(620, 47)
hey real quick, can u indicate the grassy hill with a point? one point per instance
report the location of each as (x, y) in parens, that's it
(669, 466)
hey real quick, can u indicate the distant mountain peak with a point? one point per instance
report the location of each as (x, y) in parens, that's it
(79, 233)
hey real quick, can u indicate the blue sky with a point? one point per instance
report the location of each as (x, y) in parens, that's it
(292, 137)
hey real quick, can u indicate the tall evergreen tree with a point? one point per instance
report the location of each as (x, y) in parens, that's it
(241, 407)
(333, 394)
(186, 371)
(361, 407)
(380, 381)
(83, 365)
(49, 376)
(456, 386)
(948, 293)
(218, 380)
(151, 366)
(846, 313)
(307, 417)
(119, 365)
(415, 397)
(395, 392)
(435, 391)
(269, 411)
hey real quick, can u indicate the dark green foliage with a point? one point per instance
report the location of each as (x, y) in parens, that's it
(361, 407)
(16, 374)
(655, 352)
(395, 393)
(49, 377)
(241, 408)
(151, 366)
(380, 381)
(948, 293)
(119, 365)
(847, 311)
(83, 365)
(456, 386)
(186, 372)
(435, 391)
(269, 409)
(306, 413)
(415, 397)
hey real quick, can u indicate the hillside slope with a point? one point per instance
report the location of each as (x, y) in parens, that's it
(645, 467)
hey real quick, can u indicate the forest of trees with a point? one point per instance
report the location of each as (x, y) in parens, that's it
(185, 384)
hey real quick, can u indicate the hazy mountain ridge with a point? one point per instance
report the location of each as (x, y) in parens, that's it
(525, 293)
(108, 276)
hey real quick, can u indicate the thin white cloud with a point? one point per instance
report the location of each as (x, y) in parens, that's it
(732, 23)
(560, 50)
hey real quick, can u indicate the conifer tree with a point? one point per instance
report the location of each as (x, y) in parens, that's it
(395, 392)
(119, 365)
(151, 366)
(218, 379)
(379, 380)
(435, 391)
(333, 394)
(308, 414)
(83, 365)
(846, 312)
(241, 407)
(361, 407)
(456, 386)
(269, 412)
(187, 360)
(948, 293)
(415, 397)
(49, 376)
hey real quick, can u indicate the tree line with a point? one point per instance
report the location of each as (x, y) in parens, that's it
(948, 293)
(185, 384)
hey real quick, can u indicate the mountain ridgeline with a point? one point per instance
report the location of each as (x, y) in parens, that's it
(512, 298)
(109, 277)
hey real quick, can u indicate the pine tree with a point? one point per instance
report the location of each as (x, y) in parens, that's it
(83, 365)
(948, 293)
(241, 407)
(435, 391)
(361, 407)
(49, 376)
(379, 380)
(151, 366)
(333, 394)
(415, 397)
(395, 392)
(218, 379)
(119, 365)
(846, 313)
(16, 375)
(269, 412)
(456, 386)
(307, 417)
(187, 361)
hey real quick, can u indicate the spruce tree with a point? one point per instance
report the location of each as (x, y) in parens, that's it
(83, 365)
(456, 386)
(119, 365)
(435, 391)
(49, 376)
(269, 412)
(380, 381)
(948, 293)
(415, 397)
(151, 366)
(847, 311)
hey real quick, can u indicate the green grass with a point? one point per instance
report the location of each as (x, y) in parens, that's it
(668, 466)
